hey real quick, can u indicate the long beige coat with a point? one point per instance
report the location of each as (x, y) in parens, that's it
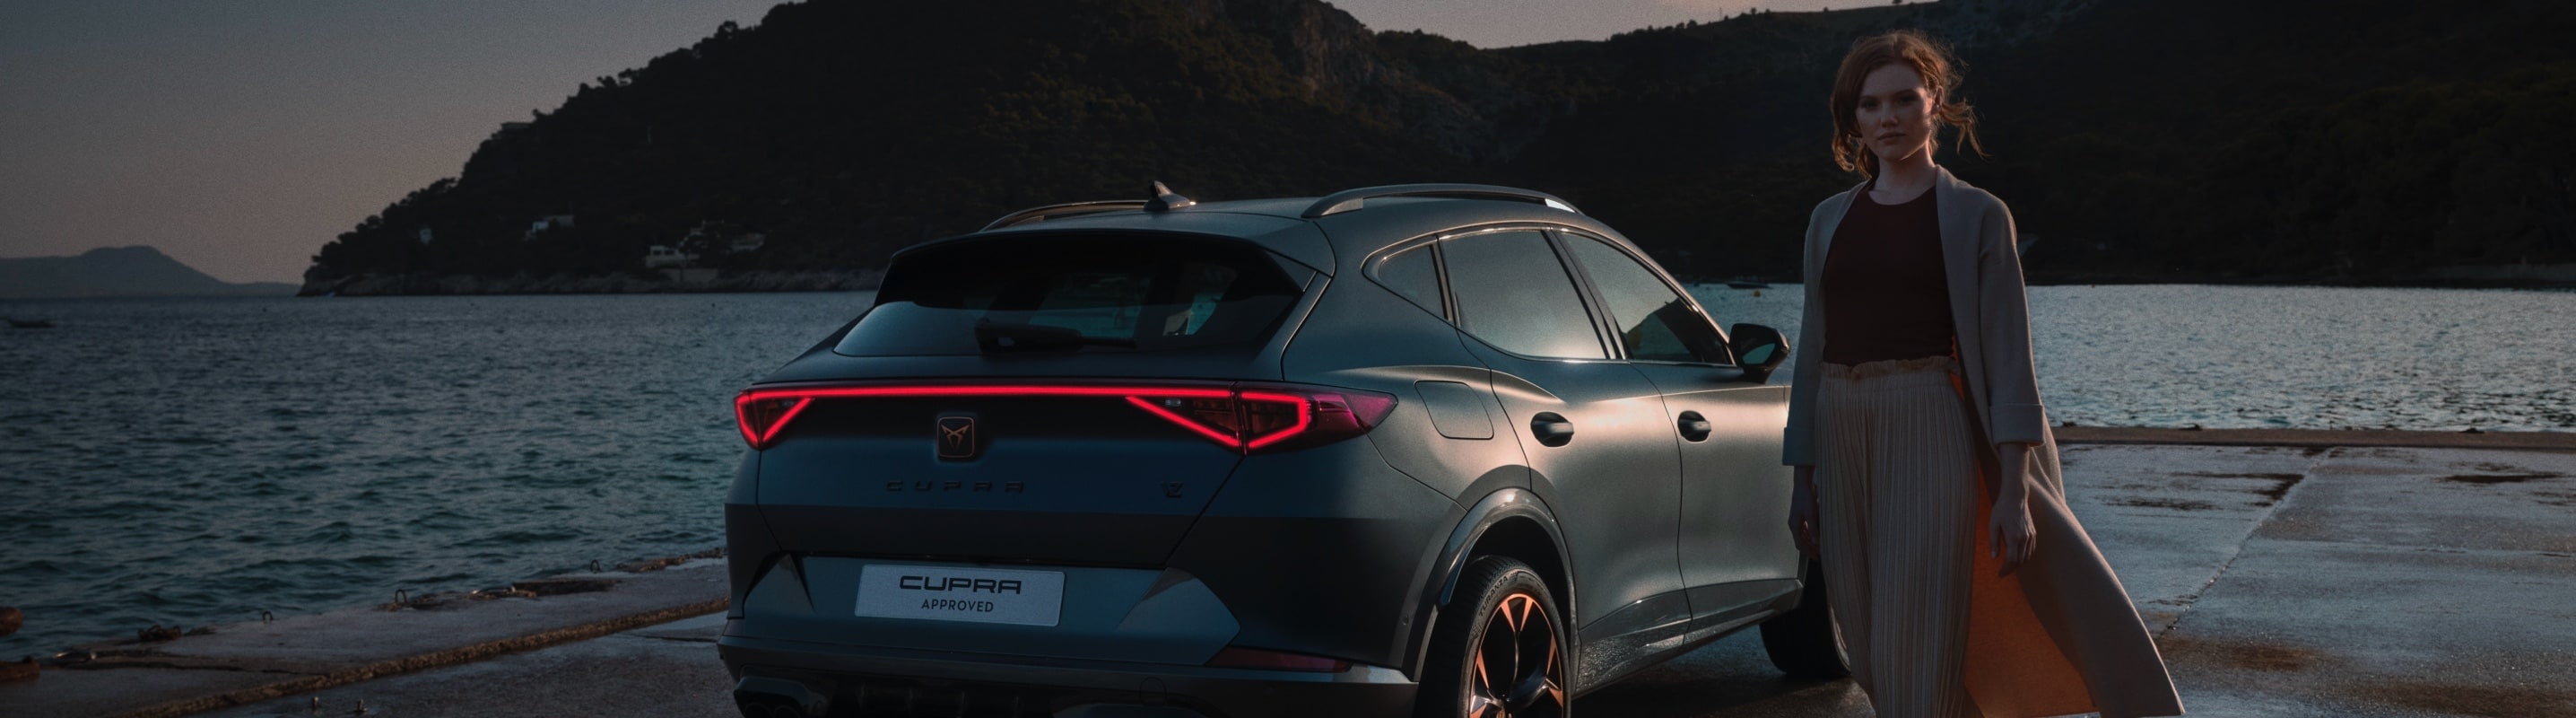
(2059, 636)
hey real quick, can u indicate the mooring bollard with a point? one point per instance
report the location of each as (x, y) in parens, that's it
(11, 620)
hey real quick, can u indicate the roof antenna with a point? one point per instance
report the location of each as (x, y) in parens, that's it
(1164, 200)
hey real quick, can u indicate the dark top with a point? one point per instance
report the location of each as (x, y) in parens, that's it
(1885, 294)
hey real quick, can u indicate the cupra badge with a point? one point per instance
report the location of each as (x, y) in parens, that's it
(956, 438)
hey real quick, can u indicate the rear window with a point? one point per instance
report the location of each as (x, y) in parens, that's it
(1082, 293)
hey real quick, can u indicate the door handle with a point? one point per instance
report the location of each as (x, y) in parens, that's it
(1551, 429)
(1695, 427)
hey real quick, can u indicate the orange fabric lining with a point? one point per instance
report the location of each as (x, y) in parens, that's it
(2013, 667)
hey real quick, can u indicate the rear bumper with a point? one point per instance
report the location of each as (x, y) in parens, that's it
(853, 680)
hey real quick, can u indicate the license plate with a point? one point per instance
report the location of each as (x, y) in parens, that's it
(979, 595)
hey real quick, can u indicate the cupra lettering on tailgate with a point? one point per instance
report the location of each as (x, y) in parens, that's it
(978, 595)
(959, 583)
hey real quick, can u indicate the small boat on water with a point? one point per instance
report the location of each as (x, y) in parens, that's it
(17, 323)
(1744, 284)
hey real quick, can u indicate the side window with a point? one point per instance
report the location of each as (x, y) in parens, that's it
(1653, 321)
(1512, 293)
(1411, 274)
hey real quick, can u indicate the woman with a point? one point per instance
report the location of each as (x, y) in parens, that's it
(1916, 428)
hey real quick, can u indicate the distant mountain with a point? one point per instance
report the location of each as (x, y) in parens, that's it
(2197, 140)
(136, 271)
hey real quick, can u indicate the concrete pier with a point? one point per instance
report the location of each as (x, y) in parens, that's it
(2415, 575)
(251, 662)
(2283, 581)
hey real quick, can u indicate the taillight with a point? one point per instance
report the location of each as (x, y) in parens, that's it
(1262, 417)
(762, 417)
(1245, 417)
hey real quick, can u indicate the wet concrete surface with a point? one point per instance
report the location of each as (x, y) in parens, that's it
(2397, 582)
(2279, 581)
(666, 670)
(2284, 581)
(2325, 438)
(256, 661)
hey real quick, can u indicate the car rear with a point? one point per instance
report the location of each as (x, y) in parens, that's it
(1023, 483)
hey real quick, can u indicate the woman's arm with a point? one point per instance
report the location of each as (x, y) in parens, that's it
(2010, 534)
(2012, 384)
(1803, 512)
(1797, 448)
(2016, 417)
(1797, 440)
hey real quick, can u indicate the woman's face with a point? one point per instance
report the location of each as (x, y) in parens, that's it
(1895, 113)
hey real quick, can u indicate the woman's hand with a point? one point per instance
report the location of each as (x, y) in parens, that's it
(2010, 534)
(1802, 512)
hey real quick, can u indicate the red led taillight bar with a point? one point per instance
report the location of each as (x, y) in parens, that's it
(1244, 417)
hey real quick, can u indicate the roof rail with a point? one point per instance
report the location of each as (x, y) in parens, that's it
(1069, 209)
(1351, 199)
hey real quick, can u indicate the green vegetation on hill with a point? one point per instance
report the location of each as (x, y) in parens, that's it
(2140, 139)
(2351, 141)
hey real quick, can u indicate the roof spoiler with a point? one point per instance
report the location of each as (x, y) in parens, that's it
(1347, 200)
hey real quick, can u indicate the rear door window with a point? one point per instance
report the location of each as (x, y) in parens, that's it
(1058, 293)
(1514, 294)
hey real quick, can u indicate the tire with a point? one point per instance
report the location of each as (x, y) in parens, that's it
(1804, 642)
(1502, 612)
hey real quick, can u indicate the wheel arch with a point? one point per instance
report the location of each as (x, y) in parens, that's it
(1510, 522)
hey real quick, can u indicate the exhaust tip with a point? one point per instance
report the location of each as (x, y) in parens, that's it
(763, 697)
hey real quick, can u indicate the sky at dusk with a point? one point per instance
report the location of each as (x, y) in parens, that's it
(239, 136)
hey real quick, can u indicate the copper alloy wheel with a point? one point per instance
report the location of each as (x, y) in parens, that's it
(1518, 671)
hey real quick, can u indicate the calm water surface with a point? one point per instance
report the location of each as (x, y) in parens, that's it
(200, 461)
(2282, 357)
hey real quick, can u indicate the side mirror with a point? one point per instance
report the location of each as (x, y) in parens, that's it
(1759, 348)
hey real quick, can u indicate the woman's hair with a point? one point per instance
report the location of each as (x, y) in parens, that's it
(1911, 48)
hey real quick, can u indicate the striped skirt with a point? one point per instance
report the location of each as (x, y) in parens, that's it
(1901, 507)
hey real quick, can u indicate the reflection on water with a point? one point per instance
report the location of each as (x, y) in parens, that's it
(202, 461)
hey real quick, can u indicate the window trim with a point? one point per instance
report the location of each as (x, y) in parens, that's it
(1374, 267)
(1449, 298)
(1604, 329)
(1601, 316)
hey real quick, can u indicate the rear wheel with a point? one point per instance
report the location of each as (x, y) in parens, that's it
(1500, 652)
(1804, 642)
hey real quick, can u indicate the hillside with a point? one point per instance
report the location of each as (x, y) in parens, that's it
(2139, 139)
(136, 271)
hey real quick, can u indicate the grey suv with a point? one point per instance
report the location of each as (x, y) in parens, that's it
(1446, 450)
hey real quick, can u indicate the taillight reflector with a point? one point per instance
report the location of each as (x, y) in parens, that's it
(1244, 417)
(1240, 657)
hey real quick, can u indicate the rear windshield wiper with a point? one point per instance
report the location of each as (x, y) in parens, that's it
(994, 336)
